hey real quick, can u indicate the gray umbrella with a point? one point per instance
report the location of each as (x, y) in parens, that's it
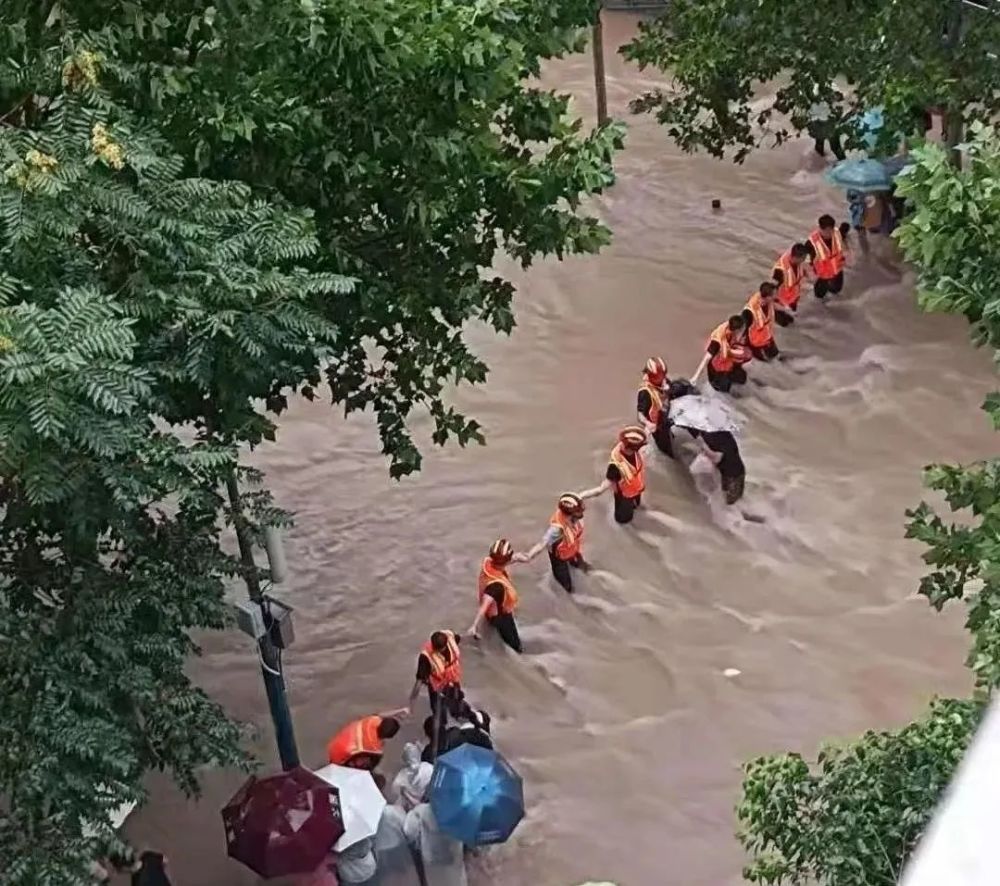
(704, 413)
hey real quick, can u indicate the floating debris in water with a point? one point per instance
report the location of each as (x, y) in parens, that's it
(732, 672)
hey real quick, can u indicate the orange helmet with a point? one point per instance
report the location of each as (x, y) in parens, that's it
(571, 503)
(501, 551)
(633, 436)
(656, 369)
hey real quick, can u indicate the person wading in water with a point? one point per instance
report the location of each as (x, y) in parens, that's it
(651, 404)
(828, 250)
(439, 668)
(497, 596)
(788, 273)
(626, 474)
(563, 540)
(758, 315)
(725, 354)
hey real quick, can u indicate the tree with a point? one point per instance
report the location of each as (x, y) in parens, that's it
(905, 57)
(855, 816)
(133, 303)
(408, 130)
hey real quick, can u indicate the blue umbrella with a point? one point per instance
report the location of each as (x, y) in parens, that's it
(864, 175)
(476, 796)
(872, 122)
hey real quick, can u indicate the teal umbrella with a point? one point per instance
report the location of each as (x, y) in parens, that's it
(863, 175)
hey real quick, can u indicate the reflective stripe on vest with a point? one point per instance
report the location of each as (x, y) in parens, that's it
(568, 547)
(656, 402)
(490, 573)
(359, 737)
(829, 259)
(633, 480)
(723, 361)
(444, 672)
(789, 289)
(761, 331)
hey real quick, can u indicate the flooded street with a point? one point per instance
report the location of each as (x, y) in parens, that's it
(619, 717)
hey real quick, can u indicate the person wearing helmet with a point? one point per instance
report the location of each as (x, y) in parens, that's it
(626, 474)
(497, 596)
(651, 404)
(564, 541)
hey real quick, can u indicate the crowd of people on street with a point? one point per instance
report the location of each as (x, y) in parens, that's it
(663, 406)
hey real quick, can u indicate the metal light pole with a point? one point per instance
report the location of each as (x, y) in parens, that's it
(600, 82)
(265, 625)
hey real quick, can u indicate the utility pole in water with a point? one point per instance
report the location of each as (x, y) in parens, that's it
(600, 83)
(271, 631)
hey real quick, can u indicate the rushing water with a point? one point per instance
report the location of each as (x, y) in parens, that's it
(619, 716)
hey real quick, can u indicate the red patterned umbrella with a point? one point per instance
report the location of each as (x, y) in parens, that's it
(284, 824)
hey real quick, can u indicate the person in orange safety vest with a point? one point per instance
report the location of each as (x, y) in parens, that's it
(563, 540)
(788, 273)
(626, 474)
(361, 743)
(652, 402)
(497, 596)
(758, 315)
(439, 668)
(828, 249)
(725, 354)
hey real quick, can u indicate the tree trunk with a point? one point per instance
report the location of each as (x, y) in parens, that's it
(954, 133)
(954, 124)
(600, 83)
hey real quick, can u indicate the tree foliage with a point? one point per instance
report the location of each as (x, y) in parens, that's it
(408, 130)
(905, 57)
(855, 816)
(133, 302)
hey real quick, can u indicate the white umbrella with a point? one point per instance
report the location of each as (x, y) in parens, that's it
(361, 802)
(704, 414)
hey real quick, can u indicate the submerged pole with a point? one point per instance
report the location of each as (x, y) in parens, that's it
(600, 81)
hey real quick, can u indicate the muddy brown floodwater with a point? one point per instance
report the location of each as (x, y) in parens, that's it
(619, 717)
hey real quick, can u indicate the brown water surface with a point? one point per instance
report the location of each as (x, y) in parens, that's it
(629, 736)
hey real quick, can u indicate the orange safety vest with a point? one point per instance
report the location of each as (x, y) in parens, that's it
(730, 353)
(633, 480)
(761, 332)
(444, 672)
(789, 289)
(656, 401)
(355, 739)
(568, 547)
(489, 574)
(830, 258)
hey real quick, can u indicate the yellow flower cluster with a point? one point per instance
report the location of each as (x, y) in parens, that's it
(106, 148)
(81, 70)
(26, 174)
(6, 344)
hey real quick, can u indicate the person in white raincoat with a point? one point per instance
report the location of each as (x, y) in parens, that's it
(443, 856)
(409, 787)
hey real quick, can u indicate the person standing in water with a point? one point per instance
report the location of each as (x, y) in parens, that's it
(497, 596)
(626, 474)
(439, 668)
(563, 540)
(758, 315)
(827, 246)
(788, 273)
(725, 354)
(650, 404)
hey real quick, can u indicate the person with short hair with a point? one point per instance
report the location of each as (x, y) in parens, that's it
(788, 273)
(439, 668)
(361, 743)
(725, 354)
(758, 315)
(828, 250)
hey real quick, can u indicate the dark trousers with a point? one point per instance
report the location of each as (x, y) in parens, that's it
(767, 352)
(732, 488)
(821, 135)
(724, 381)
(822, 288)
(506, 627)
(664, 439)
(561, 572)
(625, 507)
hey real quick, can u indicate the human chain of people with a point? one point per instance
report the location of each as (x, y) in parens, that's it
(663, 405)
